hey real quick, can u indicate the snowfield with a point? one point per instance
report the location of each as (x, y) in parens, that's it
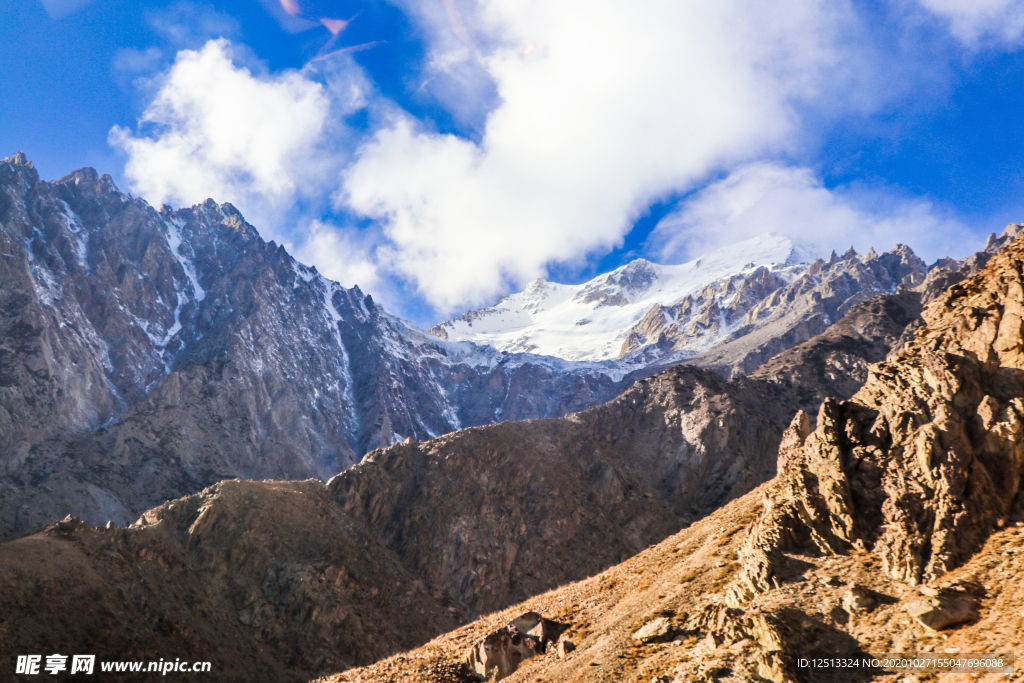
(590, 321)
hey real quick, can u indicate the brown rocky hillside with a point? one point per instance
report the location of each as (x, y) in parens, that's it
(897, 525)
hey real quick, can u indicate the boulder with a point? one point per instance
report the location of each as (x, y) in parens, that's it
(501, 652)
(858, 599)
(945, 610)
(655, 631)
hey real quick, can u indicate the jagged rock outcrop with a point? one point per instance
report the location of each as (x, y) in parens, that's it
(809, 305)
(705, 318)
(924, 462)
(835, 363)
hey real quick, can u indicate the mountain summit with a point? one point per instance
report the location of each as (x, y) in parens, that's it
(591, 321)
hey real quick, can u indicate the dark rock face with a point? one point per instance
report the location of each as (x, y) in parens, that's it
(835, 363)
(145, 355)
(489, 514)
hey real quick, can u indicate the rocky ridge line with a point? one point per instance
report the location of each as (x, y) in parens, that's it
(299, 578)
(145, 355)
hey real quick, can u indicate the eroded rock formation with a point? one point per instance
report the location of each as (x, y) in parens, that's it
(924, 462)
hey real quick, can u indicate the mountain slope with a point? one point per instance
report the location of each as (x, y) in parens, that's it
(426, 534)
(420, 535)
(683, 582)
(896, 525)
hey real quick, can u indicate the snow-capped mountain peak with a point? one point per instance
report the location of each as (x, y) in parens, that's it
(590, 321)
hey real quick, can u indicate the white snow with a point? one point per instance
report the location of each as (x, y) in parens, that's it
(333, 318)
(589, 322)
(174, 241)
(303, 272)
(182, 298)
(74, 224)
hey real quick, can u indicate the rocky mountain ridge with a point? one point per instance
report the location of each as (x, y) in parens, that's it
(147, 354)
(730, 310)
(283, 577)
(439, 531)
(592, 321)
(278, 577)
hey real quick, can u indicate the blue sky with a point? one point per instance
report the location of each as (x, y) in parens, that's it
(440, 153)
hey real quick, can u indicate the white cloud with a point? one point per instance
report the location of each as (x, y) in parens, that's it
(453, 73)
(580, 118)
(345, 256)
(978, 23)
(763, 197)
(217, 130)
(601, 109)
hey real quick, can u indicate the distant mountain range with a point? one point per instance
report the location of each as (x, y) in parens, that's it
(729, 310)
(593, 321)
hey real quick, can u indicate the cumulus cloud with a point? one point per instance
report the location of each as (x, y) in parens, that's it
(763, 197)
(343, 255)
(979, 23)
(599, 112)
(215, 129)
(571, 123)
